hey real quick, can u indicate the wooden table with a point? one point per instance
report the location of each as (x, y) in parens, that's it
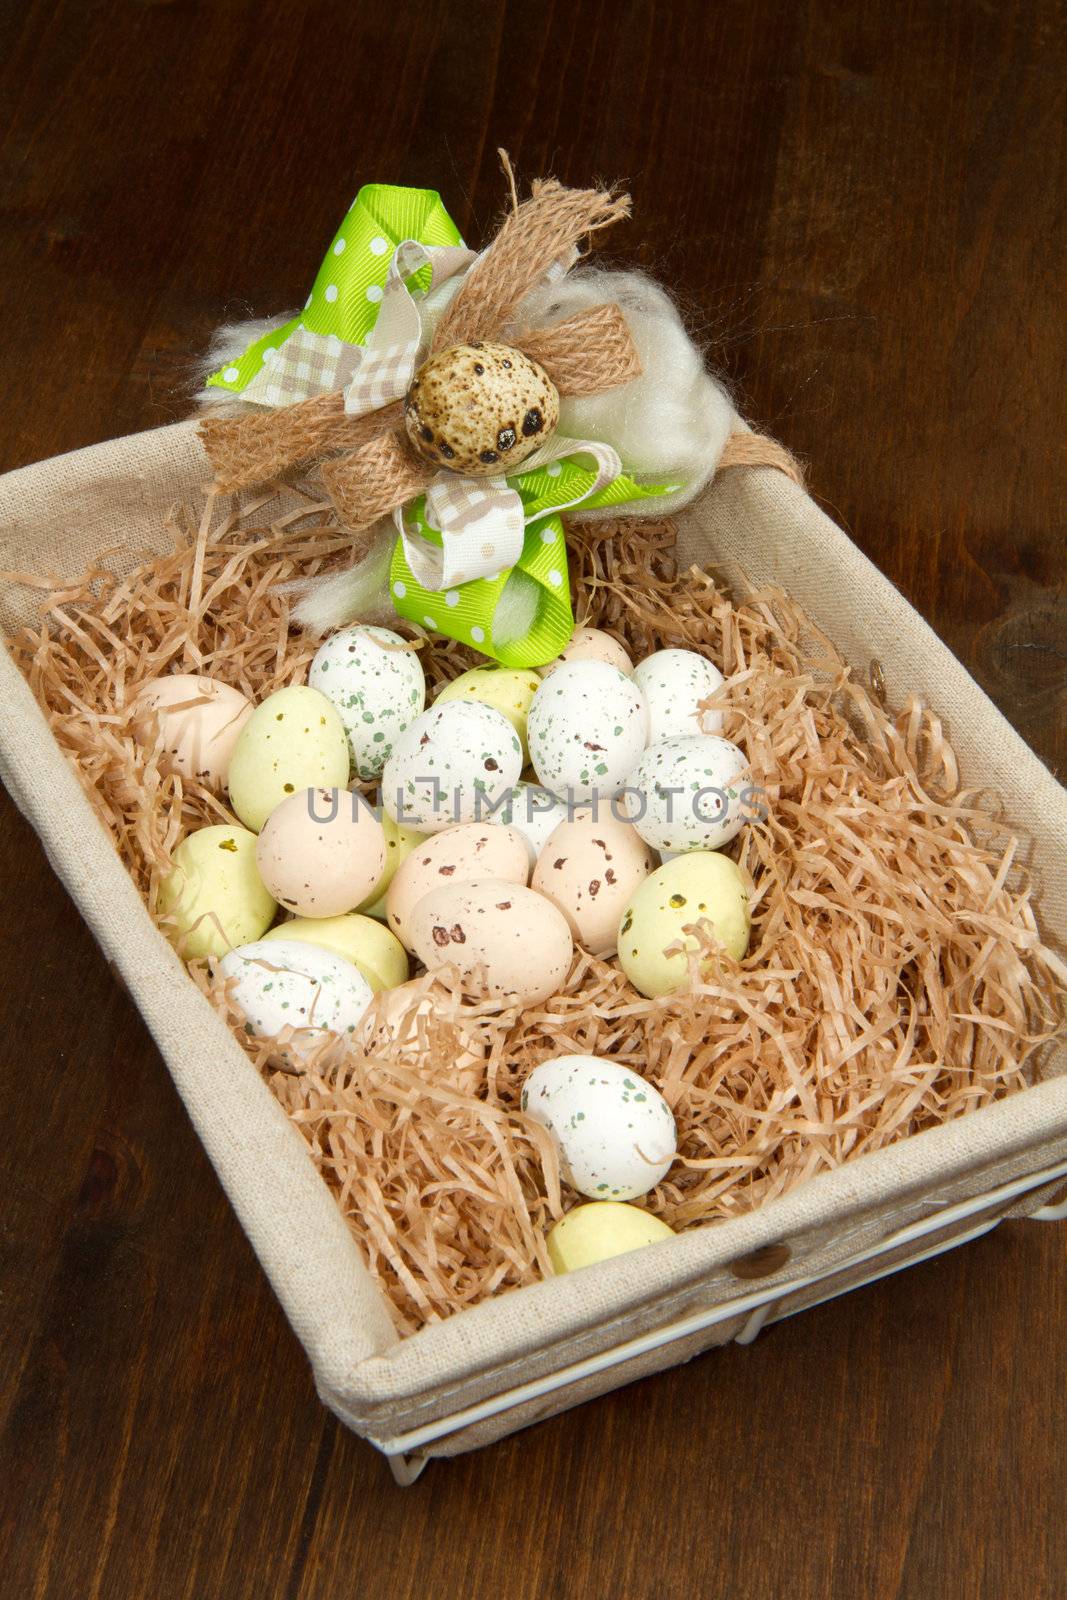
(862, 210)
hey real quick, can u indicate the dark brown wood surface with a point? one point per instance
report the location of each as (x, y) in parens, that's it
(863, 210)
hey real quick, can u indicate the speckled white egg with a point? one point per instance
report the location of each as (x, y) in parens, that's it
(451, 765)
(533, 812)
(688, 794)
(587, 727)
(196, 722)
(378, 687)
(616, 1134)
(674, 682)
(321, 852)
(285, 983)
(592, 644)
(507, 690)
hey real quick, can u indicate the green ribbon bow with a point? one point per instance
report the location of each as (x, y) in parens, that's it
(344, 297)
(344, 302)
(467, 612)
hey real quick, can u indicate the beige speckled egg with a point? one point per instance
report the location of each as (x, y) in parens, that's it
(590, 868)
(480, 409)
(400, 1017)
(321, 852)
(592, 644)
(520, 939)
(465, 854)
(196, 721)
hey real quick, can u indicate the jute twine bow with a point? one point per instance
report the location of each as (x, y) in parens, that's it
(368, 466)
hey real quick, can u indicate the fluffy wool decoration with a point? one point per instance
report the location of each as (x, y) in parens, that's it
(669, 426)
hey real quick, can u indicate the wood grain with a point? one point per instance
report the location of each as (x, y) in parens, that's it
(862, 210)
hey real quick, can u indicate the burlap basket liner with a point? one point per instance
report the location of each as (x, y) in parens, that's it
(59, 515)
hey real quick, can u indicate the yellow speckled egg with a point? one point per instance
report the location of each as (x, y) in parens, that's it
(214, 893)
(520, 939)
(321, 852)
(506, 689)
(703, 885)
(377, 953)
(294, 740)
(196, 721)
(601, 1229)
(590, 867)
(480, 409)
(399, 843)
(592, 644)
(467, 853)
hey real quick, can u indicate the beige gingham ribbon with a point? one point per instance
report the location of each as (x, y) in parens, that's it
(306, 364)
(372, 374)
(387, 361)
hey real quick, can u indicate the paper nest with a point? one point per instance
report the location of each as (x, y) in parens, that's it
(896, 976)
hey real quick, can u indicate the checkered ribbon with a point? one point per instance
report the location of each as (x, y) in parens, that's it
(373, 374)
(306, 364)
(386, 364)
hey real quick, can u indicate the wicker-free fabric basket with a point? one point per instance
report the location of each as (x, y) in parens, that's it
(535, 1351)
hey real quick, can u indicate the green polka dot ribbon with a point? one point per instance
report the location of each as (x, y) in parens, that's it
(344, 303)
(346, 293)
(467, 611)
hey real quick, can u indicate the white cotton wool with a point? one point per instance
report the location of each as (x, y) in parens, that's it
(359, 594)
(670, 424)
